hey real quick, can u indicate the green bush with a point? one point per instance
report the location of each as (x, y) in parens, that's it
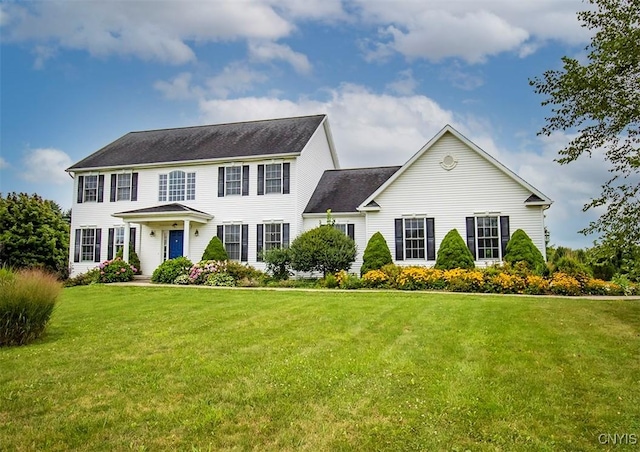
(215, 251)
(134, 260)
(84, 279)
(329, 281)
(170, 269)
(221, 279)
(573, 267)
(278, 262)
(243, 272)
(522, 249)
(324, 249)
(115, 270)
(27, 299)
(376, 254)
(453, 253)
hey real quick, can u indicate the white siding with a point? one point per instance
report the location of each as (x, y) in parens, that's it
(474, 185)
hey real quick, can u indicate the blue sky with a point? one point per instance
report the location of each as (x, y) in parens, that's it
(76, 75)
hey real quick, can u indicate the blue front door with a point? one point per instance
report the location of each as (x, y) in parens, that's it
(175, 243)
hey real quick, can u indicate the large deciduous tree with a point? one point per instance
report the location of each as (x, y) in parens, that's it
(33, 233)
(598, 100)
(324, 249)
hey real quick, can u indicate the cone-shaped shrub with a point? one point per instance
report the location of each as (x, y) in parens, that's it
(215, 251)
(453, 253)
(376, 254)
(521, 249)
(134, 260)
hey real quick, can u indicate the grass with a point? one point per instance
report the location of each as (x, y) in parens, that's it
(154, 368)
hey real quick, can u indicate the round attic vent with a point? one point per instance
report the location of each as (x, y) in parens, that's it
(448, 162)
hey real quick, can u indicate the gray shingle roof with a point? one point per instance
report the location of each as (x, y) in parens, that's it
(164, 208)
(243, 139)
(344, 190)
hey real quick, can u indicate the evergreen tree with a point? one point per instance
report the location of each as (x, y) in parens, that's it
(215, 251)
(376, 254)
(453, 253)
(522, 249)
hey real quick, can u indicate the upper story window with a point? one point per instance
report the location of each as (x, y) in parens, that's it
(124, 187)
(274, 178)
(90, 188)
(233, 180)
(177, 186)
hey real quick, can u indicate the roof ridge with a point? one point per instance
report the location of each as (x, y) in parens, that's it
(365, 168)
(227, 123)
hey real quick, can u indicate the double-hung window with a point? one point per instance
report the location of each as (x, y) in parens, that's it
(274, 178)
(487, 236)
(415, 238)
(177, 186)
(87, 245)
(90, 188)
(123, 187)
(232, 240)
(272, 235)
(118, 239)
(233, 180)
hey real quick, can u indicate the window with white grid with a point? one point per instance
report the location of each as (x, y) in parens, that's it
(488, 237)
(118, 239)
(88, 244)
(191, 186)
(176, 185)
(414, 234)
(123, 187)
(272, 236)
(162, 188)
(273, 178)
(90, 189)
(233, 179)
(232, 236)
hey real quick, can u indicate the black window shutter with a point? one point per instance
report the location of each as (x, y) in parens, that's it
(261, 179)
(110, 239)
(101, 188)
(245, 180)
(351, 231)
(286, 176)
(98, 242)
(112, 194)
(220, 233)
(259, 242)
(132, 239)
(76, 249)
(244, 250)
(431, 240)
(285, 235)
(134, 187)
(80, 188)
(504, 234)
(221, 182)
(399, 239)
(471, 235)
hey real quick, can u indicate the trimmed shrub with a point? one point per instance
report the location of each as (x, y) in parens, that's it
(115, 270)
(324, 249)
(244, 272)
(27, 299)
(220, 279)
(278, 262)
(215, 251)
(134, 260)
(522, 249)
(453, 253)
(376, 254)
(170, 269)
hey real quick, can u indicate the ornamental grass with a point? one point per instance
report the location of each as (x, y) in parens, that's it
(27, 299)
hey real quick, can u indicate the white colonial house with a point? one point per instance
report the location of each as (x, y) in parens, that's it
(259, 184)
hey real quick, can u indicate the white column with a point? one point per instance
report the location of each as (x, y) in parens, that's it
(185, 242)
(127, 238)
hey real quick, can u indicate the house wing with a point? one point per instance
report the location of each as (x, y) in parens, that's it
(201, 143)
(536, 198)
(344, 190)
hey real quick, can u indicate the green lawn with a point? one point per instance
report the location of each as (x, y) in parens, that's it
(156, 368)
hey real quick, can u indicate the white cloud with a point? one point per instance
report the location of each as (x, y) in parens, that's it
(471, 31)
(404, 85)
(3, 163)
(234, 78)
(46, 165)
(269, 51)
(179, 88)
(147, 30)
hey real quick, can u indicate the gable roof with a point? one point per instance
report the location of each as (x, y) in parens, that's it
(536, 198)
(211, 142)
(344, 190)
